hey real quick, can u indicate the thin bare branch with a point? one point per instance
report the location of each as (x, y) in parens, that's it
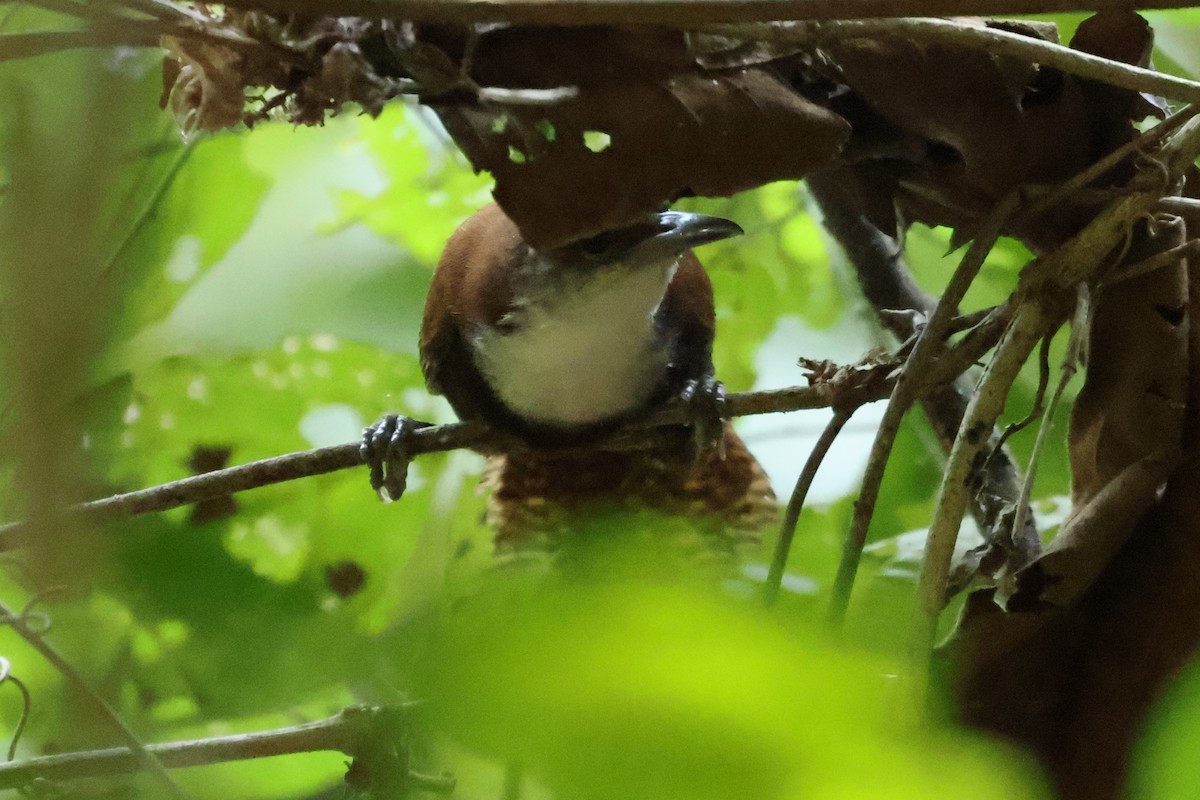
(6, 676)
(343, 732)
(684, 13)
(134, 749)
(1072, 361)
(791, 516)
(434, 439)
(1077, 183)
(994, 40)
(887, 283)
(1042, 303)
(1032, 322)
(913, 379)
(1188, 249)
(36, 43)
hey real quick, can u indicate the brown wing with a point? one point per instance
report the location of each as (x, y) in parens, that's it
(469, 290)
(687, 312)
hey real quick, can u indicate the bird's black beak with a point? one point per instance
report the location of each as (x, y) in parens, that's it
(683, 231)
(674, 232)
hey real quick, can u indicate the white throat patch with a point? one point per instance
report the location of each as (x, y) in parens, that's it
(581, 354)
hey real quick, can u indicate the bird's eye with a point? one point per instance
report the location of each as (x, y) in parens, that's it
(596, 245)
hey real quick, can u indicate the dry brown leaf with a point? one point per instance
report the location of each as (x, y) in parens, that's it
(1132, 402)
(954, 129)
(645, 127)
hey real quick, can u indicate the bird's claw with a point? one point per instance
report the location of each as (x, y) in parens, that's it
(385, 449)
(705, 399)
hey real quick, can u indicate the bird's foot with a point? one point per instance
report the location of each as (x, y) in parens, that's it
(705, 400)
(386, 450)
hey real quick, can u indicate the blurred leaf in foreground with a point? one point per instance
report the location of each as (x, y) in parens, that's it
(615, 688)
(1165, 764)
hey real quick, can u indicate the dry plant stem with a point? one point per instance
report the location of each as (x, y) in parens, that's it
(27, 45)
(1039, 397)
(26, 706)
(791, 516)
(151, 206)
(1181, 150)
(1074, 349)
(1158, 261)
(134, 750)
(1186, 207)
(1001, 42)
(1076, 183)
(1183, 206)
(324, 460)
(680, 12)
(338, 733)
(1043, 285)
(1030, 324)
(887, 283)
(912, 381)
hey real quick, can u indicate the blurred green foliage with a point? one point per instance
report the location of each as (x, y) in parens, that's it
(259, 293)
(1165, 766)
(620, 689)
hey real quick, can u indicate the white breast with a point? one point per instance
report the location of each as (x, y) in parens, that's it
(583, 357)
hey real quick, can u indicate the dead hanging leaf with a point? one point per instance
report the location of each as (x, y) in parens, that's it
(1113, 581)
(644, 127)
(954, 128)
(1133, 398)
(206, 91)
(1089, 671)
(1091, 538)
(586, 128)
(249, 66)
(942, 131)
(1127, 424)
(1117, 34)
(1121, 36)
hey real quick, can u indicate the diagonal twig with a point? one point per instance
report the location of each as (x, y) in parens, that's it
(434, 439)
(994, 40)
(1042, 303)
(133, 746)
(791, 516)
(887, 283)
(677, 12)
(912, 380)
(343, 732)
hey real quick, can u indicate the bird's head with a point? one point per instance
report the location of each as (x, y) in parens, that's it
(654, 240)
(633, 263)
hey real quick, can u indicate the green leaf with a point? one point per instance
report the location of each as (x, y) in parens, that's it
(1164, 763)
(623, 689)
(429, 187)
(779, 268)
(199, 201)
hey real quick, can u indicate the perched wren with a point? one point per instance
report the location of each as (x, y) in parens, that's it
(560, 347)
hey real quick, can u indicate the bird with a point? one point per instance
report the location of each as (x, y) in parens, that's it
(559, 348)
